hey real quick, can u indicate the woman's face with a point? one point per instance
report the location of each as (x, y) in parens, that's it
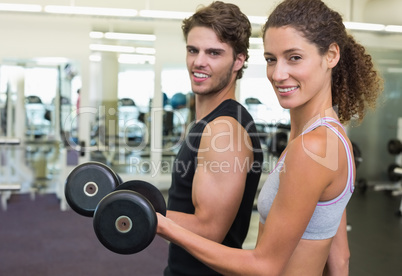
(296, 70)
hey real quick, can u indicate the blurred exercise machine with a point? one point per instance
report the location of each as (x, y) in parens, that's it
(395, 169)
(8, 181)
(33, 154)
(131, 134)
(15, 174)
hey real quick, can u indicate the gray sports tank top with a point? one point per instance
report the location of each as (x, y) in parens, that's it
(327, 215)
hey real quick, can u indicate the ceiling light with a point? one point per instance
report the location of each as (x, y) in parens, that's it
(111, 48)
(91, 11)
(394, 70)
(129, 36)
(364, 26)
(136, 59)
(50, 60)
(96, 35)
(145, 50)
(373, 27)
(20, 7)
(393, 28)
(165, 14)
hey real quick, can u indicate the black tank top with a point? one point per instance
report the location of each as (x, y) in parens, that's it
(180, 262)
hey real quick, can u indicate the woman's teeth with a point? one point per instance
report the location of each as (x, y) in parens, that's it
(284, 90)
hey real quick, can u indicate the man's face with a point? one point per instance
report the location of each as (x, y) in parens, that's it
(210, 62)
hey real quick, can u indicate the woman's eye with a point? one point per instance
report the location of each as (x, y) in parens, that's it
(295, 58)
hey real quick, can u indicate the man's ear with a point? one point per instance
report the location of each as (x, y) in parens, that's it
(239, 62)
(333, 55)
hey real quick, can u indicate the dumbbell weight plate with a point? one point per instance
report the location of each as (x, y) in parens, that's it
(125, 222)
(119, 178)
(87, 184)
(394, 147)
(149, 191)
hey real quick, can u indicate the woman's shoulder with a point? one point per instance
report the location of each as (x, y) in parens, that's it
(315, 149)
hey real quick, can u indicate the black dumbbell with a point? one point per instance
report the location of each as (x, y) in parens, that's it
(394, 147)
(125, 220)
(92, 189)
(394, 172)
(87, 184)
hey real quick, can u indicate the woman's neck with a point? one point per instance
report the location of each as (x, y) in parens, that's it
(301, 120)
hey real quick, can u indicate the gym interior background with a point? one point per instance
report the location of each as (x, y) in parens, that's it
(124, 63)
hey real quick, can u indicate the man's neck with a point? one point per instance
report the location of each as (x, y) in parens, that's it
(206, 104)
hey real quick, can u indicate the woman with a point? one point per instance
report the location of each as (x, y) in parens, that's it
(324, 78)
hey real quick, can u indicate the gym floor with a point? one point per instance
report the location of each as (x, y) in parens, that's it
(375, 239)
(38, 239)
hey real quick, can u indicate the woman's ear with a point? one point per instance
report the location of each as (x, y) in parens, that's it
(333, 55)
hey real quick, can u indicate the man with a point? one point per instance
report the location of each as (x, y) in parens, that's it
(217, 170)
